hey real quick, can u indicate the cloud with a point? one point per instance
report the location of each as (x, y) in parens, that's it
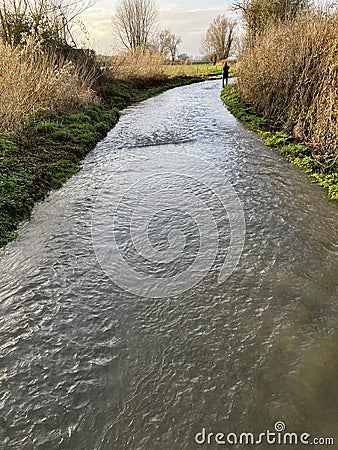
(187, 20)
(98, 23)
(190, 23)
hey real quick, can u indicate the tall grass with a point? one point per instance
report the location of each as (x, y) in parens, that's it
(291, 76)
(33, 82)
(136, 64)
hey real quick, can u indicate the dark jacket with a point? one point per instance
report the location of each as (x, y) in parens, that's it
(225, 70)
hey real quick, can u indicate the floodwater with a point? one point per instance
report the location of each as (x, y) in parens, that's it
(89, 364)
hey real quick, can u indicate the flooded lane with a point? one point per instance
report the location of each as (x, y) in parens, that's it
(86, 364)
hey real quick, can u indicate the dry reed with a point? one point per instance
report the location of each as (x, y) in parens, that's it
(31, 83)
(137, 64)
(291, 75)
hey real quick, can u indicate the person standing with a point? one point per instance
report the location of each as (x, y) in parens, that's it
(225, 73)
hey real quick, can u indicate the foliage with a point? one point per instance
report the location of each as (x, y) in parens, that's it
(45, 21)
(275, 139)
(261, 15)
(244, 111)
(301, 155)
(28, 170)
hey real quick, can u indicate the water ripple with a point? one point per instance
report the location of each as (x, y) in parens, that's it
(84, 365)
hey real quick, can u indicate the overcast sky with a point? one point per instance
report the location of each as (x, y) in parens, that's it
(187, 18)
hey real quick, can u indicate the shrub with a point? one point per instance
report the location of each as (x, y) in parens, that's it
(295, 80)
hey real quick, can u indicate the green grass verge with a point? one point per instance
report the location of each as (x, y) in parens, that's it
(49, 152)
(195, 70)
(300, 155)
(191, 69)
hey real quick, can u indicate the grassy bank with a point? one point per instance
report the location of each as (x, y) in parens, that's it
(274, 135)
(48, 152)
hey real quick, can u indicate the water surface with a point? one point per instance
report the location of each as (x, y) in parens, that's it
(87, 365)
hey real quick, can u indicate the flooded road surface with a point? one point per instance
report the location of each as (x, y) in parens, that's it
(89, 364)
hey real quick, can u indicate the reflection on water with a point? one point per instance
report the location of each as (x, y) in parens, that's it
(85, 365)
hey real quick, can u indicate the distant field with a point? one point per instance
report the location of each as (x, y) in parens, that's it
(191, 69)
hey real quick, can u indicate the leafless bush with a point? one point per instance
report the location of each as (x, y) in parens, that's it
(291, 75)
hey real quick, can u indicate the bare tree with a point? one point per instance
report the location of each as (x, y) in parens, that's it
(134, 22)
(160, 43)
(218, 40)
(42, 19)
(167, 44)
(173, 44)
